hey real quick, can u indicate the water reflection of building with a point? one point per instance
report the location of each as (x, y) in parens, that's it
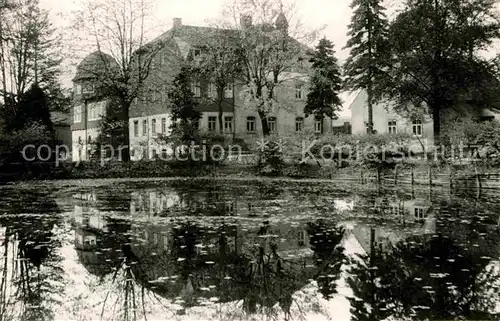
(402, 216)
(152, 202)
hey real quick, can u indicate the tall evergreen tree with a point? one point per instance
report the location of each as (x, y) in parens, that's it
(32, 108)
(368, 44)
(183, 106)
(326, 82)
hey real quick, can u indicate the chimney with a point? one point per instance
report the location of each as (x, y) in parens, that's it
(177, 22)
(245, 21)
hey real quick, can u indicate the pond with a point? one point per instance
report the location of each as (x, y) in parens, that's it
(246, 250)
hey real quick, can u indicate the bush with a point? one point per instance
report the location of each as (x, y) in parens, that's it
(271, 160)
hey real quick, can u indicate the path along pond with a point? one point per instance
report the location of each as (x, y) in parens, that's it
(246, 250)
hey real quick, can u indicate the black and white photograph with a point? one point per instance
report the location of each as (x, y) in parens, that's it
(249, 160)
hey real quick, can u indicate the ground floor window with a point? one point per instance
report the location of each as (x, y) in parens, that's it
(417, 127)
(212, 123)
(251, 124)
(299, 124)
(318, 125)
(228, 124)
(271, 124)
(392, 126)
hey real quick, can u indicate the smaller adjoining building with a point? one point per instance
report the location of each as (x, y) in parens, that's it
(417, 122)
(62, 127)
(387, 121)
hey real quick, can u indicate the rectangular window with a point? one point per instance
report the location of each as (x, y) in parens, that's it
(153, 126)
(271, 124)
(212, 91)
(228, 124)
(392, 127)
(301, 238)
(163, 125)
(419, 213)
(318, 126)
(251, 124)
(417, 127)
(144, 127)
(212, 123)
(298, 91)
(77, 116)
(196, 88)
(299, 124)
(228, 91)
(196, 52)
(136, 128)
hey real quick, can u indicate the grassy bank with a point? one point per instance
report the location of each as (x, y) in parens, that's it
(401, 174)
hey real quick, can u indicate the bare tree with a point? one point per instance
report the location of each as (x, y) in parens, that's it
(219, 63)
(272, 45)
(119, 29)
(30, 50)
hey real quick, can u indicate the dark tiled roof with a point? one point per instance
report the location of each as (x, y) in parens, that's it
(94, 63)
(60, 118)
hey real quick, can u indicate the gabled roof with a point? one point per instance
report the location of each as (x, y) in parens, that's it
(93, 63)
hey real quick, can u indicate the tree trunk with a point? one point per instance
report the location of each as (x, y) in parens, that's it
(436, 122)
(263, 120)
(220, 100)
(125, 152)
(369, 87)
(369, 127)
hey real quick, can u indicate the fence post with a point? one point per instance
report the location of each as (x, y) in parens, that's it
(478, 178)
(396, 175)
(378, 174)
(451, 175)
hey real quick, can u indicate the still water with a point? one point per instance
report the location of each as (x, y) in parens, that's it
(246, 250)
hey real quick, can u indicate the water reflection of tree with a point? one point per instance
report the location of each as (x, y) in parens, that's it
(325, 240)
(30, 269)
(424, 278)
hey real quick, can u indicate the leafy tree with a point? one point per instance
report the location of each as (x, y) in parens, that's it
(323, 99)
(436, 63)
(368, 44)
(33, 107)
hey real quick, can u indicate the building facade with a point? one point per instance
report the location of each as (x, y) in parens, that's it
(90, 105)
(149, 117)
(387, 121)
